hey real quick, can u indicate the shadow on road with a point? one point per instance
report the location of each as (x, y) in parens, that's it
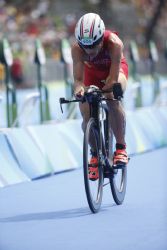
(63, 214)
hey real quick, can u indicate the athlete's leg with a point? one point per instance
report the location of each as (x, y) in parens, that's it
(84, 109)
(85, 112)
(117, 114)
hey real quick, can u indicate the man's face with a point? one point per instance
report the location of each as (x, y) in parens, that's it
(93, 52)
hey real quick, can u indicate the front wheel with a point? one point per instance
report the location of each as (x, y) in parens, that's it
(93, 188)
(118, 183)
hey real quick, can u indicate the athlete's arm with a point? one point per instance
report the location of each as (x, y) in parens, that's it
(78, 69)
(115, 47)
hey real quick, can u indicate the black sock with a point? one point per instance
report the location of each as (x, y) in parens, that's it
(120, 146)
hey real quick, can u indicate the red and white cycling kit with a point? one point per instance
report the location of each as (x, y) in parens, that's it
(96, 70)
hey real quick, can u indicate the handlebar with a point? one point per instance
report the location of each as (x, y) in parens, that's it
(91, 91)
(62, 100)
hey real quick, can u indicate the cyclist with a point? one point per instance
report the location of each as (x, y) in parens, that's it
(98, 60)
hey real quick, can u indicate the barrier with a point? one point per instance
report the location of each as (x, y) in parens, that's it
(147, 127)
(136, 140)
(61, 149)
(28, 155)
(137, 94)
(52, 148)
(10, 172)
(150, 121)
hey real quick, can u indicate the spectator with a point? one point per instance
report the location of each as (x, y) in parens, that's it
(17, 72)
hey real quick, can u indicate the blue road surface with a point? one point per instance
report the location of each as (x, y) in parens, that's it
(52, 213)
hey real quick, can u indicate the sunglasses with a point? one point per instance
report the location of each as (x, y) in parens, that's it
(91, 46)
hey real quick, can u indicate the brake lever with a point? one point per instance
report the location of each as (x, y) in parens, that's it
(61, 101)
(61, 108)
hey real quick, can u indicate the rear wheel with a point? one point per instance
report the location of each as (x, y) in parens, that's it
(93, 188)
(118, 183)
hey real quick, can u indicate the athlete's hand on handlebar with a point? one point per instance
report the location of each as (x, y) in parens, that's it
(108, 90)
(79, 92)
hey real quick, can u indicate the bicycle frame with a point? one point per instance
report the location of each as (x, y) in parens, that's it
(95, 106)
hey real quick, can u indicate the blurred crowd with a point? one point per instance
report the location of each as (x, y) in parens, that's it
(146, 10)
(23, 25)
(22, 22)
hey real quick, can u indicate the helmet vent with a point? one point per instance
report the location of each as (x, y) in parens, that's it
(94, 38)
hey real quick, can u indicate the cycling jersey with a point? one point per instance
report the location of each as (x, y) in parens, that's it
(96, 70)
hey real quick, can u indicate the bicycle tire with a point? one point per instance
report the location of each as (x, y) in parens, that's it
(118, 177)
(94, 202)
(119, 191)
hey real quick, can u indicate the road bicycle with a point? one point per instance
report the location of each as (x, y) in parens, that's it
(99, 134)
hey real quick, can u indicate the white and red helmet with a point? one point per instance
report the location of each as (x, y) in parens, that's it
(89, 30)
